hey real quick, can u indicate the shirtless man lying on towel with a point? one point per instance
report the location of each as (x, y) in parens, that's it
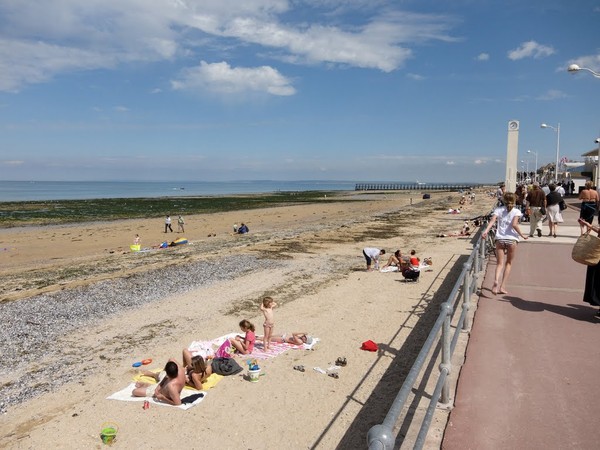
(170, 383)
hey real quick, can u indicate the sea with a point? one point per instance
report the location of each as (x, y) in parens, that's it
(18, 191)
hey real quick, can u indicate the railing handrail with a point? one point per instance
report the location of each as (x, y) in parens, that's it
(381, 436)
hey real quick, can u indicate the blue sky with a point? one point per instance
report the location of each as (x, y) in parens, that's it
(359, 90)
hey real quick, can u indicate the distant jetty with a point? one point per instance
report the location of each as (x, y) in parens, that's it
(414, 187)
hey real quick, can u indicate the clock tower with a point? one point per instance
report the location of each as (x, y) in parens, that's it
(512, 151)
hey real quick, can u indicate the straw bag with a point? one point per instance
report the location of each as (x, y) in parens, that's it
(586, 250)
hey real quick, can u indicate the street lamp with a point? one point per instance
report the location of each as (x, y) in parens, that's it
(536, 166)
(575, 68)
(557, 129)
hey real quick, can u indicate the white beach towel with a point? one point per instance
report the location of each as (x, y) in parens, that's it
(208, 348)
(389, 269)
(125, 395)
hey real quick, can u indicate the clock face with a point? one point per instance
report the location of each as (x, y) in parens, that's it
(513, 125)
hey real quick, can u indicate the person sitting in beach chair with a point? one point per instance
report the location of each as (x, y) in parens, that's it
(411, 273)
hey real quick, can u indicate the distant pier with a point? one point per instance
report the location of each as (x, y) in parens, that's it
(413, 187)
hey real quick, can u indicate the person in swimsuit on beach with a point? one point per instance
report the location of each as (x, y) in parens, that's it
(296, 338)
(267, 308)
(196, 369)
(170, 383)
(244, 344)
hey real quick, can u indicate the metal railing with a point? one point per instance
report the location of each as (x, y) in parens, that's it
(381, 436)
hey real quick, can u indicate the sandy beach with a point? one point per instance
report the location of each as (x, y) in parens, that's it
(78, 308)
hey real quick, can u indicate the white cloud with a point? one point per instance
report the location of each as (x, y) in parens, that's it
(222, 78)
(120, 108)
(552, 94)
(483, 57)
(415, 76)
(530, 49)
(40, 39)
(450, 163)
(12, 163)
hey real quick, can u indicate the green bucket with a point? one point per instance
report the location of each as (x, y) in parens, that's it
(108, 433)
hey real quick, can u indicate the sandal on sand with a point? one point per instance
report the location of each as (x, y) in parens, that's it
(299, 368)
(333, 375)
(341, 362)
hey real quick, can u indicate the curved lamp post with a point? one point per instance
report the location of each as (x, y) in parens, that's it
(557, 129)
(536, 166)
(575, 68)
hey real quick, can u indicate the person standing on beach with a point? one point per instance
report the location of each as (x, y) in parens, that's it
(180, 224)
(372, 255)
(168, 223)
(267, 308)
(507, 238)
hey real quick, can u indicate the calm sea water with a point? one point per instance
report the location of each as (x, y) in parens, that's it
(82, 190)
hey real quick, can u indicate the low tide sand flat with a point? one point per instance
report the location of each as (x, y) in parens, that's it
(111, 306)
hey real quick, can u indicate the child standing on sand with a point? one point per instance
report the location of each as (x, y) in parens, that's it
(245, 344)
(267, 308)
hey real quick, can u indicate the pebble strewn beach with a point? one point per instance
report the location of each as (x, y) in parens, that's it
(33, 329)
(78, 308)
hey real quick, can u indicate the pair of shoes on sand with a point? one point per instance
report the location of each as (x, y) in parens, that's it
(299, 368)
(341, 361)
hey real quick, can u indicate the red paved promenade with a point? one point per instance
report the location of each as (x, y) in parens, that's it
(531, 378)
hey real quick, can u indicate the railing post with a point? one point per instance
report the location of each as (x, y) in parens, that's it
(466, 296)
(446, 356)
(482, 251)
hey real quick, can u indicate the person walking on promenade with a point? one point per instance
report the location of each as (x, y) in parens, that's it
(536, 200)
(553, 210)
(168, 223)
(499, 194)
(180, 224)
(507, 238)
(371, 255)
(589, 204)
(591, 292)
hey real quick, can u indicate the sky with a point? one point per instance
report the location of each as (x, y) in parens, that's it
(358, 90)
